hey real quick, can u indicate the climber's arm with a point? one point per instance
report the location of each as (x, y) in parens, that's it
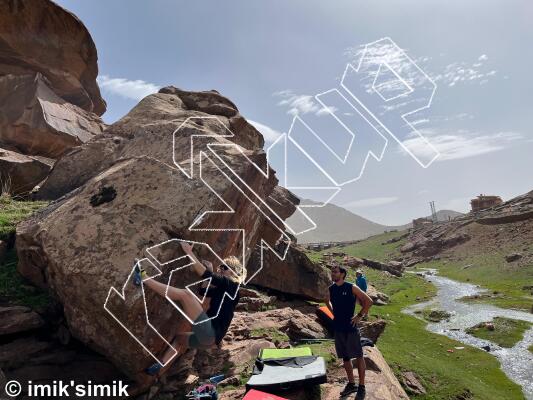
(198, 267)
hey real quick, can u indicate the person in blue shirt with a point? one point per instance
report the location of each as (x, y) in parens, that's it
(360, 280)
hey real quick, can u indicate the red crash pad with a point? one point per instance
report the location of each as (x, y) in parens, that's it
(257, 395)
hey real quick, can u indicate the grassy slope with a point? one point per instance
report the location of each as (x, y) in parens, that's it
(486, 256)
(507, 332)
(369, 248)
(408, 346)
(490, 271)
(13, 288)
(12, 212)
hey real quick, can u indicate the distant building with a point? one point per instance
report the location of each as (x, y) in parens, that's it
(481, 202)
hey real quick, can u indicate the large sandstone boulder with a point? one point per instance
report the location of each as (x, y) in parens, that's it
(36, 121)
(20, 173)
(137, 134)
(114, 208)
(296, 274)
(40, 36)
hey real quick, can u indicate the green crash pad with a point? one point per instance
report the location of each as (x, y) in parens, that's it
(269, 354)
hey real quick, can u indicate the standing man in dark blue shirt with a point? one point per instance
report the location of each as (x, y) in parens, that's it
(341, 299)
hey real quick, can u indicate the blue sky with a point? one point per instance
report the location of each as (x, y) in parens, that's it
(272, 57)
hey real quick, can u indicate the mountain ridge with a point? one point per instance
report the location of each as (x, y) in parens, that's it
(335, 224)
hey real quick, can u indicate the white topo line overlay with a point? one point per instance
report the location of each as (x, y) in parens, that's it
(303, 140)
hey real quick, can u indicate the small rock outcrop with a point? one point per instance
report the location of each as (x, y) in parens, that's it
(301, 276)
(17, 319)
(20, 173)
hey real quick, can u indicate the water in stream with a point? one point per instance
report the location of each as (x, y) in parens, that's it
(516, 362)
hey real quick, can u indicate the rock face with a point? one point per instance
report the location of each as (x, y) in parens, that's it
(49, 98)
(292, 322)
(296, 274)
(40, 36)
(36, 121)
(20, 173)
(392, 267)
(412, 384)
(137, 134)
(131, 197)
(18, 319)
(378, 298)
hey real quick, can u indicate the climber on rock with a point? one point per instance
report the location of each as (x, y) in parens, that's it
(210, 332)
(340, 300)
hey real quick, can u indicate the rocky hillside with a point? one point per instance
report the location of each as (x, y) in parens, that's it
(493, 248)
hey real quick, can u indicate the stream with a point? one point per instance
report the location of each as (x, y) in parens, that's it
(516, 362)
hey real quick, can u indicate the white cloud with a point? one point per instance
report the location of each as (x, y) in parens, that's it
(370, 202)
(452, 74)
(297, 104)
(463, 72)
(462, 144)
(268, 133)
(397, 65)
(129, 89)
(300, 104)
(327, 110)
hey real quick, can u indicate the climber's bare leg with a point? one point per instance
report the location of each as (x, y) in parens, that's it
(190, 305)
(179, 344)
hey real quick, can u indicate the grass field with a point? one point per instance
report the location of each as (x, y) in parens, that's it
(12, 212)
(371, 248)
(13, 287)
(507, 332)
(490, 271)
(408, 346)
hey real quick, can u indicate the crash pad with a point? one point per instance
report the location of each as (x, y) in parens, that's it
(266, 354)
(257, 395)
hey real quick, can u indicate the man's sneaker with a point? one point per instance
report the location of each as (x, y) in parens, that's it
(361, 392)
(348, 389)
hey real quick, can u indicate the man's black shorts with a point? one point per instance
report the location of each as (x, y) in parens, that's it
(348, 345)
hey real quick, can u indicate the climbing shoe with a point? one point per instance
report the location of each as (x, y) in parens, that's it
(153, 369)
(138, 275)
(349, 389)
(361, 393)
